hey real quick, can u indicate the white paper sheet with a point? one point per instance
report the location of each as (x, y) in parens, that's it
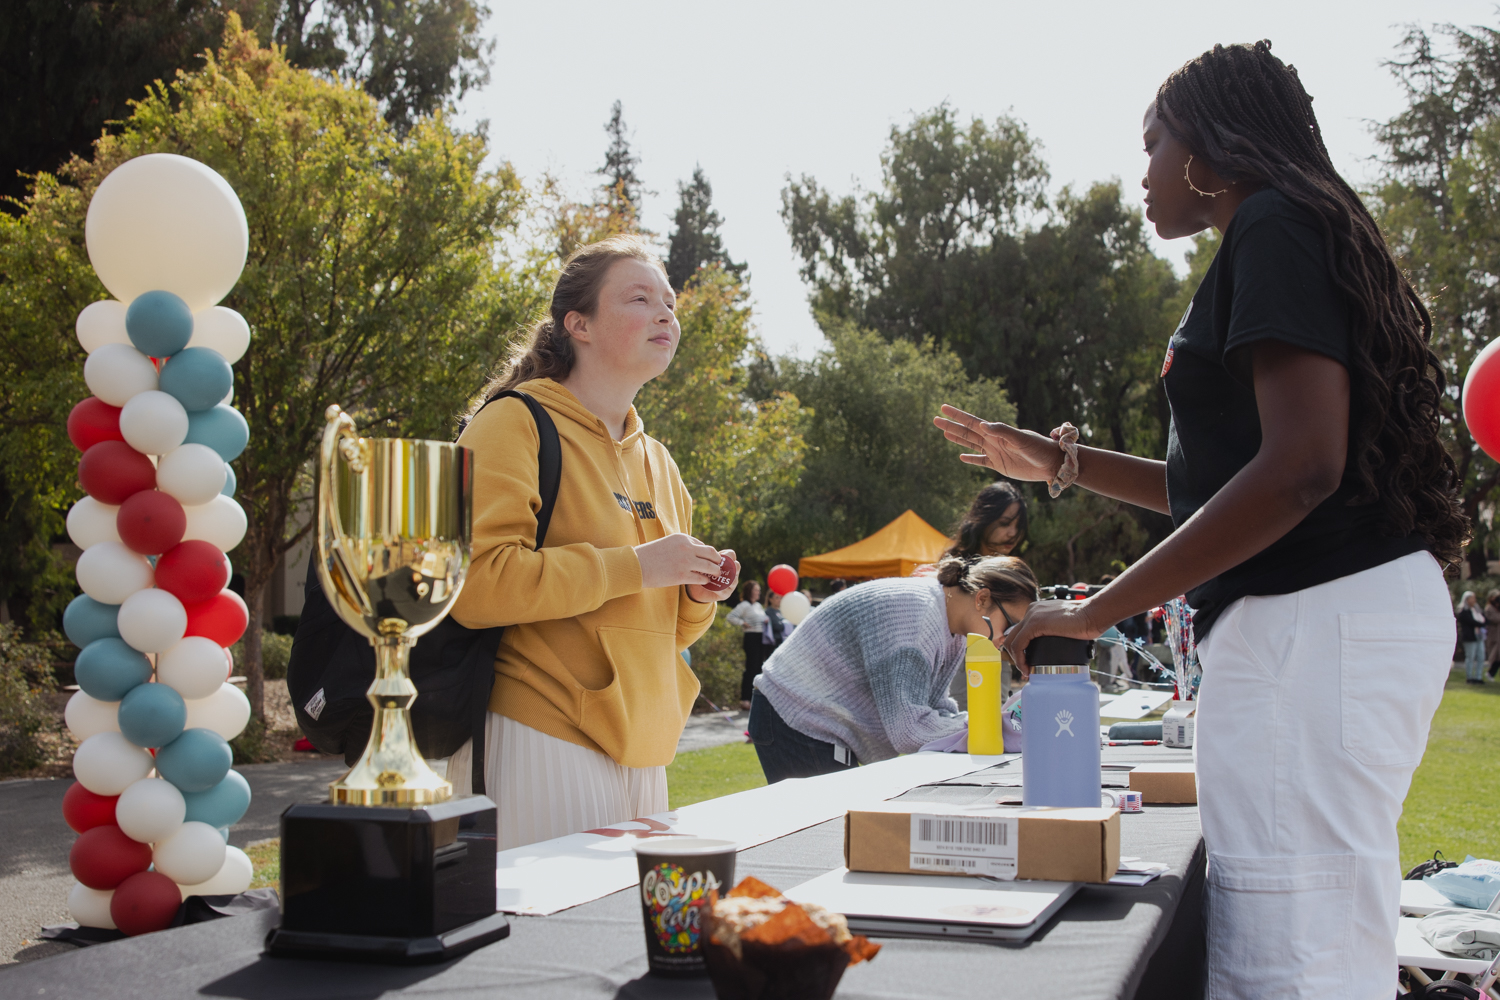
(544, 878)
(1135, 704)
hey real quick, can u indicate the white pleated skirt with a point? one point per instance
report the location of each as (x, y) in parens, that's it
(544, 787)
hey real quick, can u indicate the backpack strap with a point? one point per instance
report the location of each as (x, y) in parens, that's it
(549, 480)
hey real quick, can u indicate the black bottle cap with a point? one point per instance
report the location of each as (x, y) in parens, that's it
(1059, 651)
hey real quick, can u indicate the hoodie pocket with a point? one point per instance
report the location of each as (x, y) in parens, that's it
(638, 716)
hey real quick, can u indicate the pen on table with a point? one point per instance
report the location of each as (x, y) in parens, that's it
(1133, 743)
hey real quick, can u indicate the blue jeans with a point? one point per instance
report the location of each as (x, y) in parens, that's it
(1474, 660)
(783, 751)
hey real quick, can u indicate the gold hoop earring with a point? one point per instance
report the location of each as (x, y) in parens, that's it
(1187, 176)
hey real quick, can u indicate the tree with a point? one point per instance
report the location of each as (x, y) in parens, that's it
(695, 241)
(620, 179)
(1439, 207)
(616, 207)
(962, 245)
(372, 280)
(741, 458)
(872, 451)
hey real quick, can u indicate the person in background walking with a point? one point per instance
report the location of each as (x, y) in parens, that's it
(1470, 621)
(1492, 632)
(751, 618)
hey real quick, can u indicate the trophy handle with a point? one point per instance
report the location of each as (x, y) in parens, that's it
(340, 439)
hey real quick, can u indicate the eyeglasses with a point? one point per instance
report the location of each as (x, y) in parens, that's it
(1009, 623)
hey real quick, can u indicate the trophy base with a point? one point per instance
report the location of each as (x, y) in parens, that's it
(387, 884)
(282, 943)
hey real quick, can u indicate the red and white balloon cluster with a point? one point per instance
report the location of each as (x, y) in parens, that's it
(155, 794)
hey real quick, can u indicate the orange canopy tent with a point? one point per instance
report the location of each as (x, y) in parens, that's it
(895, 550)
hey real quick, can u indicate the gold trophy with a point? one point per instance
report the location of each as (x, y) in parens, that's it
(392, 868)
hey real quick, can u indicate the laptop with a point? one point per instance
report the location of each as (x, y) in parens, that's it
(936, 906)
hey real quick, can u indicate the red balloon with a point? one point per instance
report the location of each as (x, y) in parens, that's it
(145, 902)
(193, 572)
(83, 810)
(92, 421)
(104, 857)
(113, 472)
(782, 579)
(151, 522)
(222, 618)
(1482, 399)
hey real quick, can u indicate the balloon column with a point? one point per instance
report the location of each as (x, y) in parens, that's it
(1482, 399)
(155, 796)
(794, 604)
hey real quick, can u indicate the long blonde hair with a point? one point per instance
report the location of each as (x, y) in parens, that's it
(547, 350)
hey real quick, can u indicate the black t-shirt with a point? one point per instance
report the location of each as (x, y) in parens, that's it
(1269, 281)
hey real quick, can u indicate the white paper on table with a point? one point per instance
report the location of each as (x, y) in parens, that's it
(1134, 704)
(553, 875)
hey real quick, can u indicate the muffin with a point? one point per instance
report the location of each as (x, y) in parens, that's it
(762, 946)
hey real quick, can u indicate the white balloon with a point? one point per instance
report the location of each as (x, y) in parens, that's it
(220, 522)
(193, 854)
(795, 607)
(163, 221)
(234, 877)
(150, 810)
(226, 712)
(90, 907)
(108, 763)
(153, 422)
(194, 668)
(109, 572)
(152, 620)
(117, 372)
(91, 522)
(101, 323)
(193, 473)
(224, 330)
(87, 716)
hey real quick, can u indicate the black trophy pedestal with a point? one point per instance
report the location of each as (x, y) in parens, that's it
(380, 884)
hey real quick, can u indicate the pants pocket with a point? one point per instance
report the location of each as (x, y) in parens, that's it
(1391, 674)
(1279, 926)
(762, 728)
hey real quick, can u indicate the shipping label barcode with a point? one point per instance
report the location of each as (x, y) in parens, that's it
(938, 861)
(964, 836)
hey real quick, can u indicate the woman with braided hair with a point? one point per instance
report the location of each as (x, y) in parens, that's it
(1313, 504)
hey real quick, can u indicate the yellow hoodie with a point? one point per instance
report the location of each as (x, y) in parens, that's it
(588, 655)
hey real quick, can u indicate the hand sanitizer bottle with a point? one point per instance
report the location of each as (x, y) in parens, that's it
(1060, 706)
(983, 666)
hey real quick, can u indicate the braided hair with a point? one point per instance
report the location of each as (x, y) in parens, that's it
(1246, 113)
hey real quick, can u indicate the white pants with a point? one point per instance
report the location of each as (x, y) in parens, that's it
(544, 787)
(1312, 716)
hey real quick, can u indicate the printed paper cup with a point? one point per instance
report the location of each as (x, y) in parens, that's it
(677, 874)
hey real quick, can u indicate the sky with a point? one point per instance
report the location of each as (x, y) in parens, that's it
(754, 92)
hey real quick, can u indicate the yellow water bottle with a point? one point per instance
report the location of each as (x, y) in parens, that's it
(982, 664)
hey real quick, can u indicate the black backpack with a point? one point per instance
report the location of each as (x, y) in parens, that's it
(332, 666)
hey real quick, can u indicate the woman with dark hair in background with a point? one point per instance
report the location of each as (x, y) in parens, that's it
(1492, 632)
(865, 677)
(750, 617)
(1310, 490)
(995, 524)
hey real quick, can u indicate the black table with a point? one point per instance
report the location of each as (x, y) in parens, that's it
(1107, 942)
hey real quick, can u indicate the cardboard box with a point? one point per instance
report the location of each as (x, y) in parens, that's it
(1165, 784)
(928, 838)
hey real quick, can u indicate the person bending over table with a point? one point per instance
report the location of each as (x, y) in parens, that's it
(1311, 492)
(865, 677)
(590, 693)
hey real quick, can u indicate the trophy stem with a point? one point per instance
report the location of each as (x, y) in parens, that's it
(391, 772)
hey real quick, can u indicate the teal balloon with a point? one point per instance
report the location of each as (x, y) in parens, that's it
(86, 620)
(198, 377)
(222, 805)
(195, 761)
(222, 428)
(107, 669)
(159, 324)
(152, 715)
(230, 482)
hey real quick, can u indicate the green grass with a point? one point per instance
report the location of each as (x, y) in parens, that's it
(1451, 806)
(265, 858)
(708, 774)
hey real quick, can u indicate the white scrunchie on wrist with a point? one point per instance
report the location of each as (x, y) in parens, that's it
(1066, 437)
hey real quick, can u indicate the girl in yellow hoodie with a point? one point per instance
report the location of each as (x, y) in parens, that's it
(590, 691)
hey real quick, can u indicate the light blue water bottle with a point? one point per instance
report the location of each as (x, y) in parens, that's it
(1060, 706)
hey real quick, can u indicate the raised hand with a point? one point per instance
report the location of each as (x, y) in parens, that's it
(1010, 451)
(677, 559)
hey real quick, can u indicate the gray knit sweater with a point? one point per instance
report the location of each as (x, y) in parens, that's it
(869, 670)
